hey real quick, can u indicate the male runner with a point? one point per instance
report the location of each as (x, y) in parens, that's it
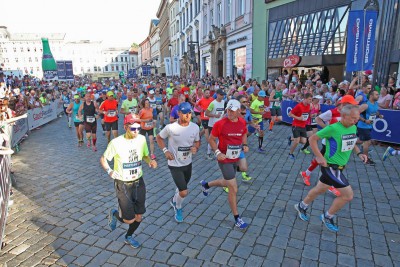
(99, 101)
(202, 105)
(231, 132)
(183, 141)
(128, 151)
(390, 151)
(109, 108)
(257, 110)
(89, 109)
(129, 105)
(342, 141)
(66, 101)
(159, 106)
(214, 112)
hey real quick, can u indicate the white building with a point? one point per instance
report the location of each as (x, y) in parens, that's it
(226, 37)
(174, 28)
(154, 35)
(116, 59)
(85, 55)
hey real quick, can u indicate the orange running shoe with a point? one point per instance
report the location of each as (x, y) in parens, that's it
(306, 178)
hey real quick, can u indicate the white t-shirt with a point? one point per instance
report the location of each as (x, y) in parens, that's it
(327, 117)
(216, 107)
(180, 140)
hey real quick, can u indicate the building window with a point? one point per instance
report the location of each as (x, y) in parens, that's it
(239, 61)
(116, 68)
(116, 59)
(126, 59)
(95, 68)
(16, 59)
(219, 14)
(133, 65)
(112, 68)
(36, 59)
(15, 50)
(22, 49)
(106, 68)
(122, 67)
(195, 7)
(191, 11)
(183, 21)
(30, 59)
(241, 7)
(211, 17)
(187, 16)
(205, 25)
(228, 10)
(37, 68)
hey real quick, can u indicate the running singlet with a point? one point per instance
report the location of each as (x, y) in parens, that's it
(146, 114)
(230, 136)
(130, 106)
(75, 110)
(203, 104)
(66, 101)
(159, 103)
(128, 155)
(216, 107)
(277, 104)
(110, 108)
(340, 142)
(257, 106)
(368, 114)
(89, 112)
(300, 110)
(314, 111)
(180, 140)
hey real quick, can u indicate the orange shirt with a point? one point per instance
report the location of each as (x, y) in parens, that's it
(111, 108)
(146, 114)
(204, 103)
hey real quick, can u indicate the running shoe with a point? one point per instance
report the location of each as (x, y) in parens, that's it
(153, 156)
(289, 143)
(334, 191)
(260, 150)
(329, 223)
(301, 212)
(257, 135)
(241, 224)
(94, 148)
(178, 215)
(270, 131)
(370, 162)
(132, 242)
(104, 132)
(209, 156)
(292, 157)
(69, 126)
(388, 153)
(226, 189)
(245, 177)
(173, 204)
(89, 144)
(112, 220)
(305, 151)
(306, 178)
(203, 188)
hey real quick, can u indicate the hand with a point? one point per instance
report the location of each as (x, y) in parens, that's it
(381, 116)
(321, 161)
(217, 116)
(368, 121)
(115, 175)
(153, 164)
(221, 156)
(193, 149)
(169, 155)
(363, 157)
(245, 149)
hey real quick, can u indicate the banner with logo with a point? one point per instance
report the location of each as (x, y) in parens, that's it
(384, 130)
(40, 116)
(19, 129)
(69, 71)
(146, 70)
(168, 66)
(176, 68)
(369, 39)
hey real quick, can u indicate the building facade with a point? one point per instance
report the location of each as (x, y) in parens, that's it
(154, 35)
(145, 54)
(86, 56)
(163, 16)
(174, 26)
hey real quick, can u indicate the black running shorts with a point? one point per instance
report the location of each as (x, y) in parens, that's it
(131, 198)
(181, 176)
(111, 125)
(333, 177)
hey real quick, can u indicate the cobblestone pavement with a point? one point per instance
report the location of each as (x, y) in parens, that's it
(62, 198)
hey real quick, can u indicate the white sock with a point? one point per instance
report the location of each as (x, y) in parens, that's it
(329, 216)
(308, 173)
(395, 152)
(69, 120)
(176, 193)
(208, 149)
(179, 201)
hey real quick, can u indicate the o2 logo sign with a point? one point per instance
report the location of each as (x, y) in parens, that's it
(288, 111)
(382, 127)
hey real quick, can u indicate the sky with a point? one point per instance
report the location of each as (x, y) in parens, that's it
(116, 23)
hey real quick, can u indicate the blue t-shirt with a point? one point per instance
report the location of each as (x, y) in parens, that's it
(369, 114)
(365, 98)
(174, 112)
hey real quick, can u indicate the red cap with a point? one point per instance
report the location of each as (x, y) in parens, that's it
(348, 99)
(368, 72)
(131, 119)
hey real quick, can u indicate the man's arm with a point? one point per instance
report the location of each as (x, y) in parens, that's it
(314, 147)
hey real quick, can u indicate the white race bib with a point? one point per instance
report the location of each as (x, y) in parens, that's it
(277, 103)
(305, 116)
(184, 153)
(132, 110)
(131, 171)
(148, 124)
(348, 142)
(153, 105)
(90, 119)
(66, 105)
(372, 117)
(219, 111)
(111, 113)
(233, 152)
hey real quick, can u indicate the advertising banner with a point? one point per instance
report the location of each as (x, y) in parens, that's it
(19, 129)
(355, 32)
(168, 66)
(40, 116)
(176, 68)
(5, 185)
(369, 39)
(62, 74)
(69, 71)
(132, 74)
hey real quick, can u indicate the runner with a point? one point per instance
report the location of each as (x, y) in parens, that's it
(342, 141)
(390, 151)
(195, 97)
(183, 142)
(89, 109)
(300, 114)
(109, 108)
(159, 107)
(146, 117)
(232, 134)
(311, 126)
(276, 113)
(66, 101)
(202, 106)
(128, 151)
(73, 109)
(215, 112)
(129, 105)
(257, 110)
(99, 101)
(328, 117)
(174, 116)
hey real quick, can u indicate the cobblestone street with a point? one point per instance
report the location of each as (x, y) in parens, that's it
(63, 196)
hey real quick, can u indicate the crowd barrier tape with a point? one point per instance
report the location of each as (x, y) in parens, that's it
(385, 129)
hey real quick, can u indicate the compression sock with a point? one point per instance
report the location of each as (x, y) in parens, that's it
(94, 141)
(306, 145)
(271, 124)
(132, 228)
(116, 215)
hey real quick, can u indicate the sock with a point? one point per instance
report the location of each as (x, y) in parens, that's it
(271, 124)
(132, 228)
(116, 215)
(308, 173)
(103, 126)
(88, 138)
(94, 141)
(236, 217)
(176, 193)
(306, 145)
(179, 201)
(303, 205)
(395, 152)
(313, 165)
(327, 215)
(208, 149)
(69, 120)
(260, 141)
(206, 186)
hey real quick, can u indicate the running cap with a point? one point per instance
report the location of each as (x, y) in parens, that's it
(110, 93)
(349, 99)
(233, 105)
(317, 97)
(151, 92)
(221, 92)
(131, 119)
(262, 94)
(76, 96)
(185, 107)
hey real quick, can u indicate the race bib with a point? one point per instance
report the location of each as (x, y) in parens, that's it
(372, 117)
(132, 110)
(132, 170)
(277, 103)
(305, 116)
(233, 152)
(313, 122)
(220, 111)
(148, 124)
(159, 107)
(184, 153)
(348, 142)
(153, 105)
(111, 113)
(90, 119)
(66, 105)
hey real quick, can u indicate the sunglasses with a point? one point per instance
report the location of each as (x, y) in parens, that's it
(134, 129)
(243, 113)
(244, 102)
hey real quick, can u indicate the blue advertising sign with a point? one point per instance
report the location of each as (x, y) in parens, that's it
(69, 70)
(61, 70)
(132, 73)
(355, 32)
(146, 70)
(384, 129)
(369, 39)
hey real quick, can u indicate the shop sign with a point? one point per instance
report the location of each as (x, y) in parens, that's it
(237, 40)
(291, 61)
(205, 51)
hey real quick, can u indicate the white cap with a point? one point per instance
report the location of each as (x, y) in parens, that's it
(233, 105)
(151, 92)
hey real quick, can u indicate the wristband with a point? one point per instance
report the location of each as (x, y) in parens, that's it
(217, 152)
(359, 153)
(164, 150)
(109, 170)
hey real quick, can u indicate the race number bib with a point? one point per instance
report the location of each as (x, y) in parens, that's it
(66, 105)
(132, 170)
(153, 105)
(372, 117)
(159, 107)
(111, 113)
(184, 153)
(220, 111)
(313, 122)
(277, 104)
(305, 116)
(233, 152)
(148, 124)
(90, 119)
(132, 110)
(348, 142)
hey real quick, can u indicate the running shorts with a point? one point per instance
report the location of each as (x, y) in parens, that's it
(91, 127)
(299, 132)
(204, 123)
(181, 176)
(364, 134)
(111, 125)
(333, 177)
(148, 132)
(131, 198)
(228, 170)
(78, 123)
(276, 112)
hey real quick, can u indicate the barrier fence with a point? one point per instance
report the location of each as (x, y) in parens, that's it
(16, 131)
(386, 129)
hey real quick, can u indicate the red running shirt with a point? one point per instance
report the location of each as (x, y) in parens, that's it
(300, 110)
(111, 108)
(204, 103)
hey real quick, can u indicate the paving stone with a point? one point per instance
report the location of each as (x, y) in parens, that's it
(222, 257)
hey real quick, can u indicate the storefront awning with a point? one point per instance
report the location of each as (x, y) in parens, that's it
(310, 61)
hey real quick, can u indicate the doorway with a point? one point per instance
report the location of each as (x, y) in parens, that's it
(220, 60)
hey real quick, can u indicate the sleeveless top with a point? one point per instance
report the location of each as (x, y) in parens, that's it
(314, 110)
(89, 112)
(75, 110)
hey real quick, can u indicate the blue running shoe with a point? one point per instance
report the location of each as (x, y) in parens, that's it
(387, 153)
(241, 224)
(178, 215)
(301, 212)
(289, 143)
(329, 223)
(203, 188)
(132, 242)
(112, 220)
(292, 157)
(260, 150)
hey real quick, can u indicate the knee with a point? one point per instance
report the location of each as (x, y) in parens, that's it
(138, 218)
(130, 221)
(243, 168)
(183, 194)
(233, 188)
(347, 197)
